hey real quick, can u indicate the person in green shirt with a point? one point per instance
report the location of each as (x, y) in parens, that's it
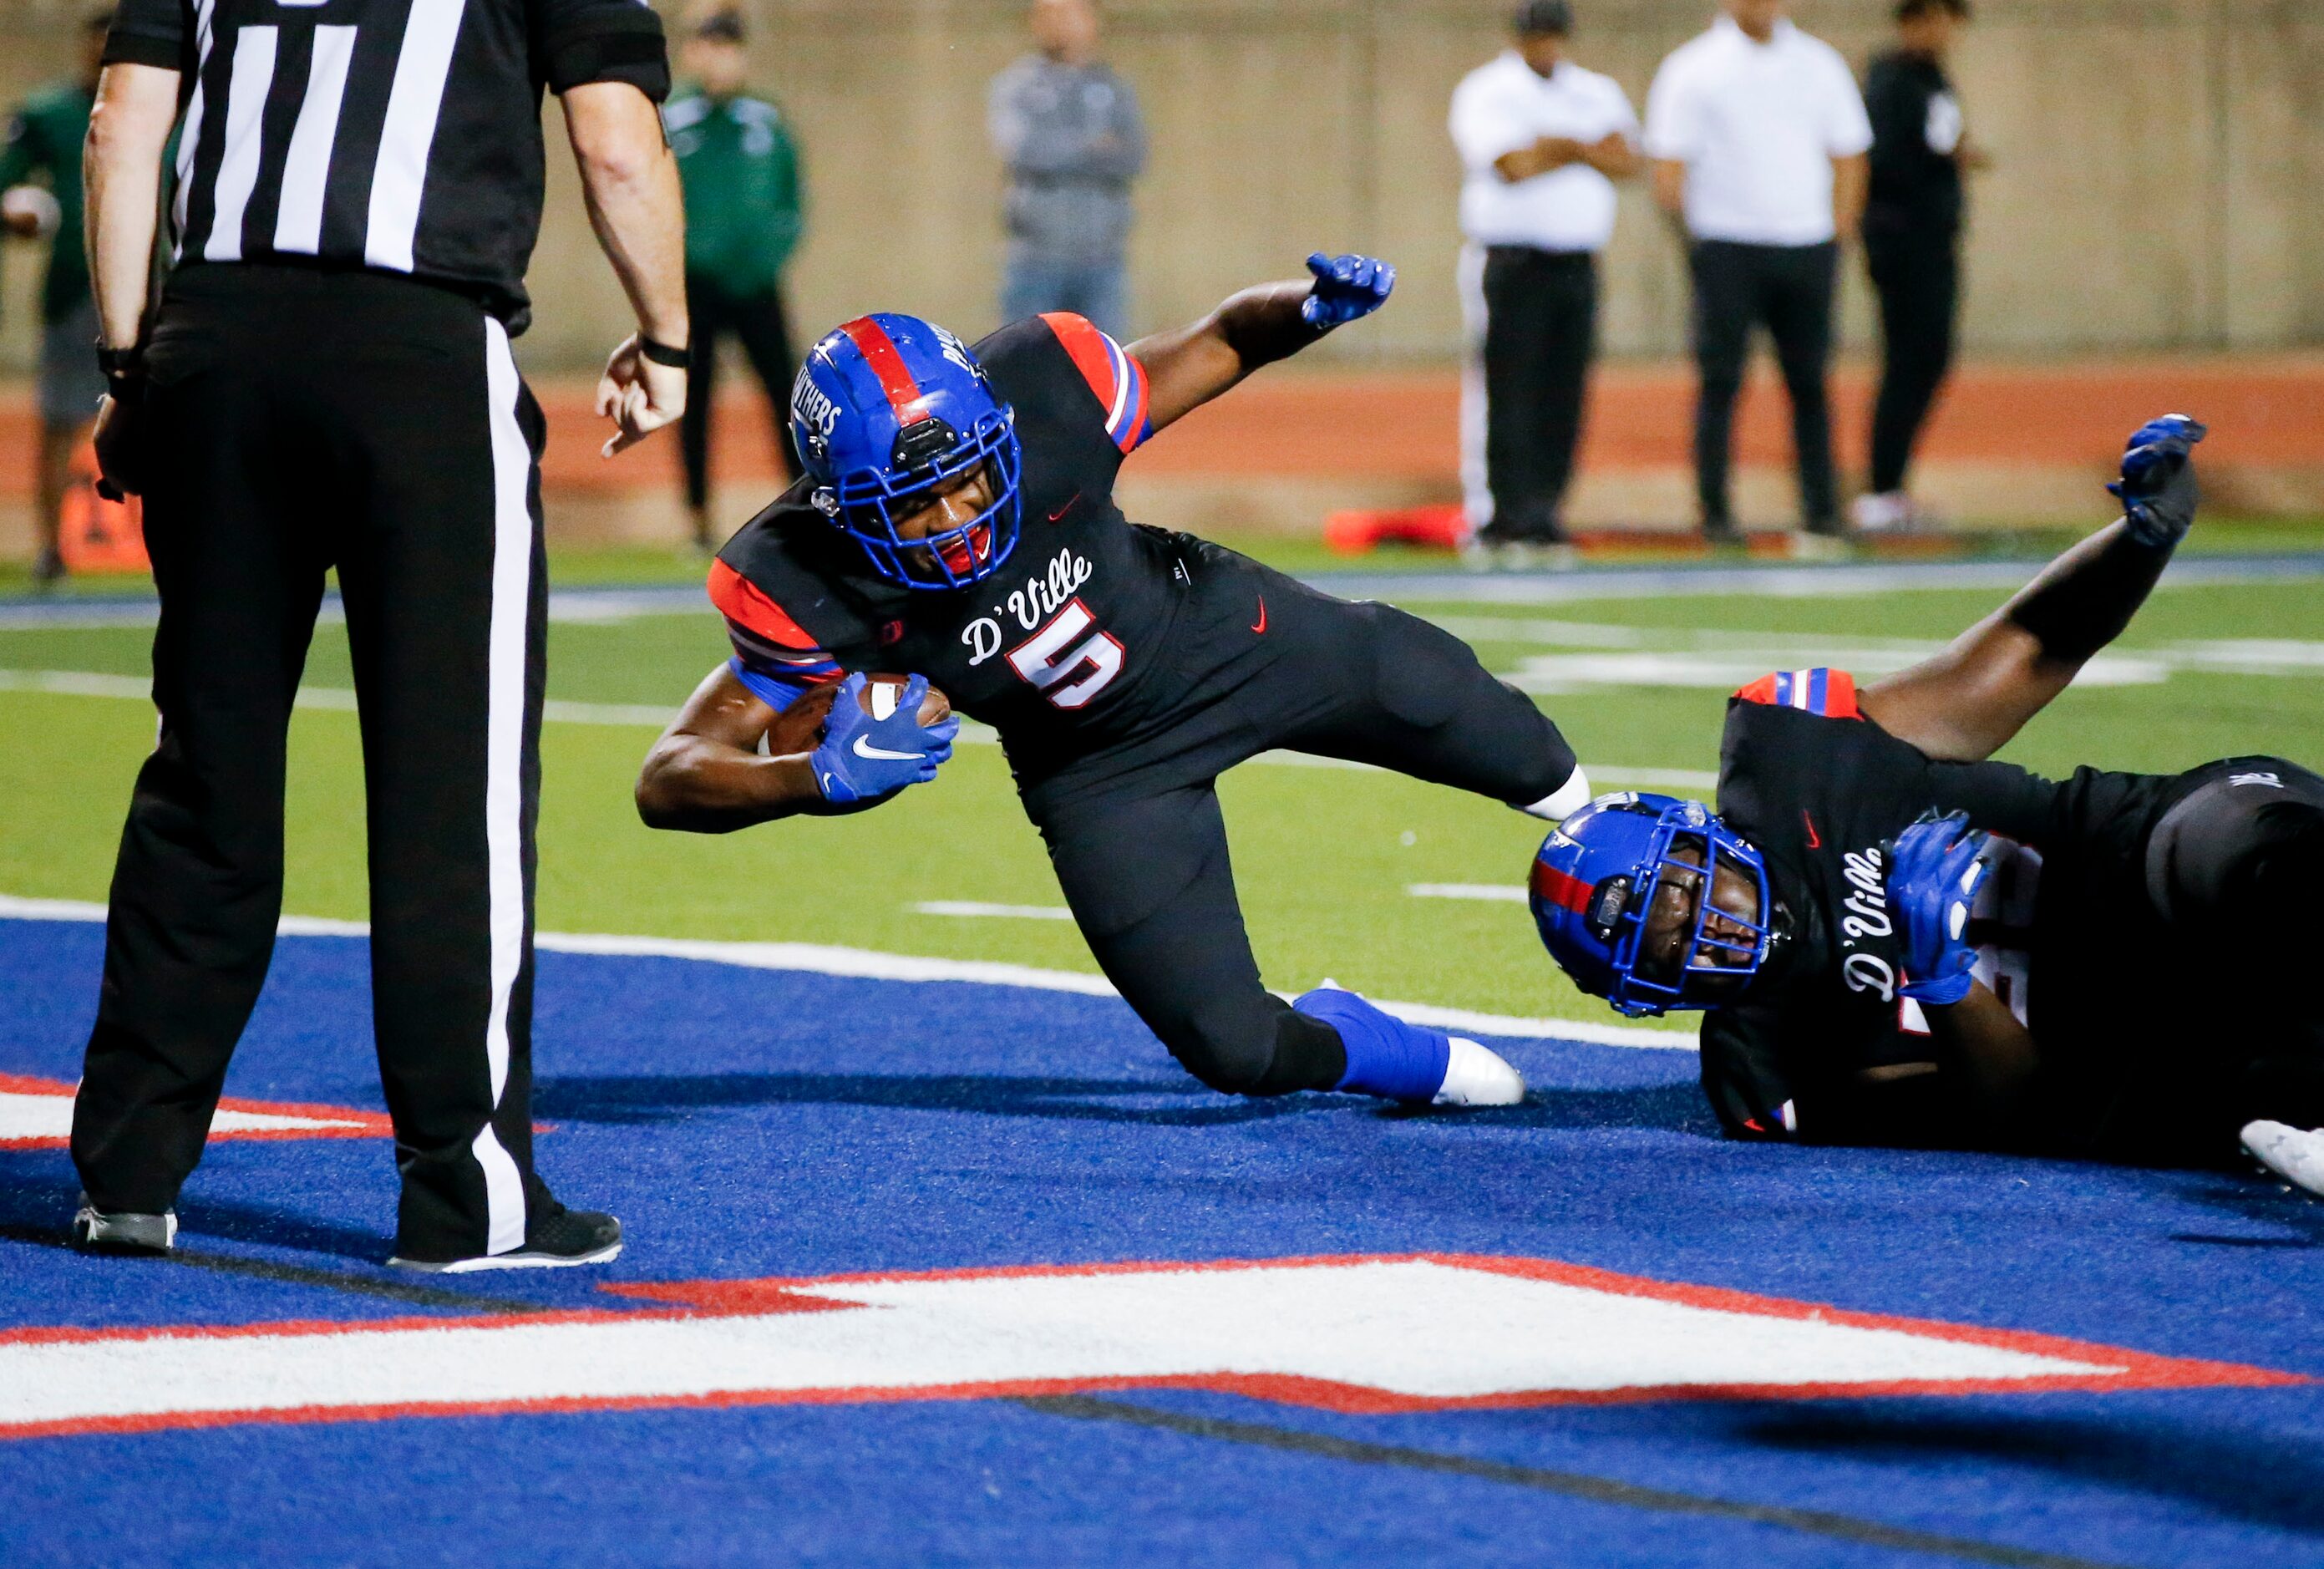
(744, 212)
(43, 145)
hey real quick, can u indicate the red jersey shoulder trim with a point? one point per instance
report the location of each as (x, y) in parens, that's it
(1826, 692)
(744, 602)
(1117, 381)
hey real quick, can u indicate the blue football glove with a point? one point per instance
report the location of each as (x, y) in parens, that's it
(1935, 868)
(1347, 287)
(2157, 486)
(862, 758)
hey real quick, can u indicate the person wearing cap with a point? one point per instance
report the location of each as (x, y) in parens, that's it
(1069, 131)
(745, 209)
(43, 143)
(1542, 140)
(1912, 242)
(1758, 139)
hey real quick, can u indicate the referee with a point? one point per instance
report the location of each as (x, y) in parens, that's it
(1542, 142)
(326, 382)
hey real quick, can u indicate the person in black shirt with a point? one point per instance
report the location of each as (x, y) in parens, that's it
(2087, 968)
(327, 382)
(957, 521)
(1912, 240)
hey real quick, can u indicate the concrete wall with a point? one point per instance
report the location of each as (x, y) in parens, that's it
(2159, 163)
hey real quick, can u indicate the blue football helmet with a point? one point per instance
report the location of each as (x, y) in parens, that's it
(889, 409)
(1603, 873)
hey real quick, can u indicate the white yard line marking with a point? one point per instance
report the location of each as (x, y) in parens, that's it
(971, 909)
(556, 711)
(863, 964)
(1488, 892)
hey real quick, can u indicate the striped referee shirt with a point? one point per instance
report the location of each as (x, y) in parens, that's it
(397, 136)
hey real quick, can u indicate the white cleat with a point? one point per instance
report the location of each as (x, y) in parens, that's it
(2293, 1154)
(1476, 1076)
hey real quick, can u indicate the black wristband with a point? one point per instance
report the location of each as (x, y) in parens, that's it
(121, 364)
(661, 354)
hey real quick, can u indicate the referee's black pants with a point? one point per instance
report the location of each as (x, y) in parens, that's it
(758, 321)
(1540, 329)
(1789, 288)
(1917, 273)
(300, 419)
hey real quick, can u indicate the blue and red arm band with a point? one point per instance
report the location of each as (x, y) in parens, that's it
(1829, 693)
(1118, 381)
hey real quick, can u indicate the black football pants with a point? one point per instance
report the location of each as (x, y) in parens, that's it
(1144, 863)
(298, 420)
(1918, 276)
(2237, 871)
(1789, 288)
(759, 322)
(1540, 329)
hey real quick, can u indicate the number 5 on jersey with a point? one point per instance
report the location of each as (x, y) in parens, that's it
(1069, 661)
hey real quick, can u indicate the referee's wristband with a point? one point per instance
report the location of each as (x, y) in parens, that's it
(121, 364)
(661, 354)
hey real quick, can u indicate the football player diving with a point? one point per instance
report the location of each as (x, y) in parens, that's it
(956, 522)
(1900, 942)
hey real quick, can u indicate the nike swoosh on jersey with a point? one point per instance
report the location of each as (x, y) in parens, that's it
(1061, 511)
(1261, 624)
(1814, 842)
(863, 748)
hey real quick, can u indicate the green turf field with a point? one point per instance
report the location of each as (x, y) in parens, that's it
(1324, 856)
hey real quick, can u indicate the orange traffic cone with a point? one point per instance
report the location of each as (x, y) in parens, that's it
(96, 535)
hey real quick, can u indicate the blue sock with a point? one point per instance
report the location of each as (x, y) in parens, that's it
(1386, 1055)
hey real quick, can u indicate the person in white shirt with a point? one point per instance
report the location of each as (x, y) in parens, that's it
(1759, 138)
(1542, 142)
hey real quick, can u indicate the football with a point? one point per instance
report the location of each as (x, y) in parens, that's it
(799, 727)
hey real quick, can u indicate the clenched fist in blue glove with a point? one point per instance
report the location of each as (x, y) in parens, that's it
(2157, 486)
(1935, 868)
(862, 757)
(1347, 287)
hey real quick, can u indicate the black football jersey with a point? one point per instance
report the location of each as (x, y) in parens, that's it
(1819, 789)
(1069, 649)
(1826, 1048)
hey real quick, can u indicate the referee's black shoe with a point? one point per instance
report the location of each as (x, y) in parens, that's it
(555, 1238)
(96, 1231)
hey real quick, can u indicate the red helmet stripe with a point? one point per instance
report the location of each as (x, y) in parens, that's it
(879, 351)
(1560, 888)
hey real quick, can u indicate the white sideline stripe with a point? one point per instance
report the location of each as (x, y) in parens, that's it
(971, 909)
(863, 964)
(1489, 893)
(1376, 1323)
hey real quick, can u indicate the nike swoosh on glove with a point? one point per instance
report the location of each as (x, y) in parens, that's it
(862, 758)
(1935, 868)
(2158, 490)
(1347, 287)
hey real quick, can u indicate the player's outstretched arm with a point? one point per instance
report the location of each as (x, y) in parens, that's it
(1965, 704)
(825, 755)
(1187, 367)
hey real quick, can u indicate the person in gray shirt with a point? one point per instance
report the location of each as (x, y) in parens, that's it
(1069, 131)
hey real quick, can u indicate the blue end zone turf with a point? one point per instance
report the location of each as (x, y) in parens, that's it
(749, 1124)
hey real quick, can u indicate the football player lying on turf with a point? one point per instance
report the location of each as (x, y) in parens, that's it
(1907, 943)
(958, 520)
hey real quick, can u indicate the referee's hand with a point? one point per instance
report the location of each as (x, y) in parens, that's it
(639, 396)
